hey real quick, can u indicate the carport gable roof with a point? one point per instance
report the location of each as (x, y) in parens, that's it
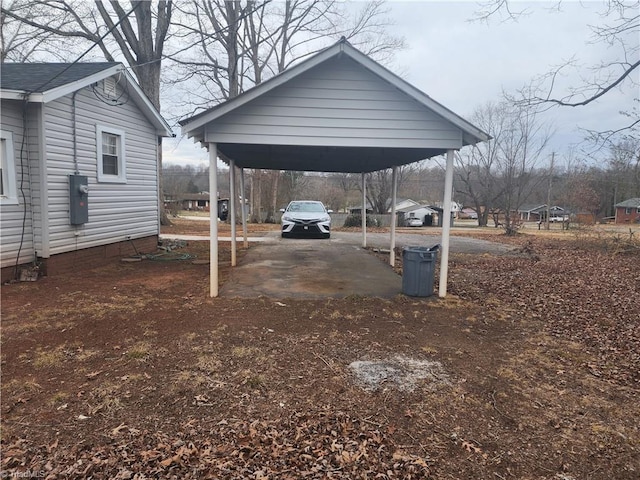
(336, 111)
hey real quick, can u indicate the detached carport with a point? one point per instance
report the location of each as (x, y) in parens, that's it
(337, 111)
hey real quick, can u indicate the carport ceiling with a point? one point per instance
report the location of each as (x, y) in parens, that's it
(322, 159)
(337, 111)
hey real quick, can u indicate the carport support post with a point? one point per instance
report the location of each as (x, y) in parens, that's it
(363, 212)
(446, 225)
(213, 220)
(394, 192)
(243, 209)
(232, 209)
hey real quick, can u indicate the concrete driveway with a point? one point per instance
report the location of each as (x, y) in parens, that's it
(334, 268)
(311, 269)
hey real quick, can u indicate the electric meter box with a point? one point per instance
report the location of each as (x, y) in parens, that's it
(78, 199)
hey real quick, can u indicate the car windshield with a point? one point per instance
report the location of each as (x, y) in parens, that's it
(305, 207)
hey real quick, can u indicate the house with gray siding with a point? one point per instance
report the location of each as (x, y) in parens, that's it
(79, 165)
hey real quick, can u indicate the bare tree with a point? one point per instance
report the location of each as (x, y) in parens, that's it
(624, 170)
(521, 147)
(132, 31)
(500, 175)
(239, 47)
(20, 42)
(619, 30)
(345, 184)
(477, 168)
(138, 33)
(379, 186)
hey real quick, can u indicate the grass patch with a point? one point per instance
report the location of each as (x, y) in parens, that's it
(20, 388)
(58, 398)
(104, 399)
(246, 352)
(49, 358)
(208, 363)
(140, 351)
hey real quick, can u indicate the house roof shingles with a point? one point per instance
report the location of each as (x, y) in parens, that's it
(631, 203)
(41, 77)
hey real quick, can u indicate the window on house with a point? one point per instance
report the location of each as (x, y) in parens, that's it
(8, 190)
(638, 210)
(111, 155)
(627, 211)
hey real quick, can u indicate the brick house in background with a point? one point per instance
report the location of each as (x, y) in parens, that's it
(628, 211)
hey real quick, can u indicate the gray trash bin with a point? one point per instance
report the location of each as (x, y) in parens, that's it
(418, 268)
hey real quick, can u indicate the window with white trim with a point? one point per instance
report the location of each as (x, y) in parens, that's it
(8, 189)
(111, 157)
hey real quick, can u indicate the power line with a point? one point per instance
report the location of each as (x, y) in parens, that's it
(88, 50)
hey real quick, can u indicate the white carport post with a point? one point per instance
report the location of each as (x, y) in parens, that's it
(243, 213)
(232, 209)
(394, 192)
(213, 220)
(446, 225)
(363, 212)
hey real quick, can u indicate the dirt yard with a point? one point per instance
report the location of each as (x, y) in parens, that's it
(530, 369)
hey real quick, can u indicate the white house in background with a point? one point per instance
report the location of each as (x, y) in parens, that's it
(422, 212)
(79, 165)
(403, 203)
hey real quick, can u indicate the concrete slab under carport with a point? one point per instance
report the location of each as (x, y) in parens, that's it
(310, 269)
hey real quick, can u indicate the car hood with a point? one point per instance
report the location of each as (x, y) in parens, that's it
(306, 215)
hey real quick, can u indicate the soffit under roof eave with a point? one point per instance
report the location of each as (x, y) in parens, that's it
(322, 158)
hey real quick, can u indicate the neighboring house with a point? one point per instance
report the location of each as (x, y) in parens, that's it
(538, 213)
(628, 211)
(532, 213)
(79, 158)
(400, 204)
(195, 201)
(403, 203)
(422, 212)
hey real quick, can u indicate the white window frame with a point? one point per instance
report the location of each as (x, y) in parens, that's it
(9, 182)
(121, 177)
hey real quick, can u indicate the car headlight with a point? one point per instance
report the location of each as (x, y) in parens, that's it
(326, 218)
(287, 218)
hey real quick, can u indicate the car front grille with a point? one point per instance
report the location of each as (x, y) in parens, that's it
(299, 222)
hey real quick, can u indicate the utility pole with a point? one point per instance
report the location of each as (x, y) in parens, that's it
(546, 225)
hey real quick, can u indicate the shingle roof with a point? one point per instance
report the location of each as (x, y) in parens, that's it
(632, 202)
(41, 77)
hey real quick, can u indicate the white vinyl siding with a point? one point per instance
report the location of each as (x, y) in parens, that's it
(116, 210)
(17, 215)
(336, 104)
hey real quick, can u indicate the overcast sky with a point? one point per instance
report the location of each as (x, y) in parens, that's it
(463, 65)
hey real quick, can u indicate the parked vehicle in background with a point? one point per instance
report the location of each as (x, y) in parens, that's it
(468, 213)
(413, 222)
(306, 217)
(559, 218)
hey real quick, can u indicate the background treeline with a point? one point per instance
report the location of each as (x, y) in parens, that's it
(573, 183)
